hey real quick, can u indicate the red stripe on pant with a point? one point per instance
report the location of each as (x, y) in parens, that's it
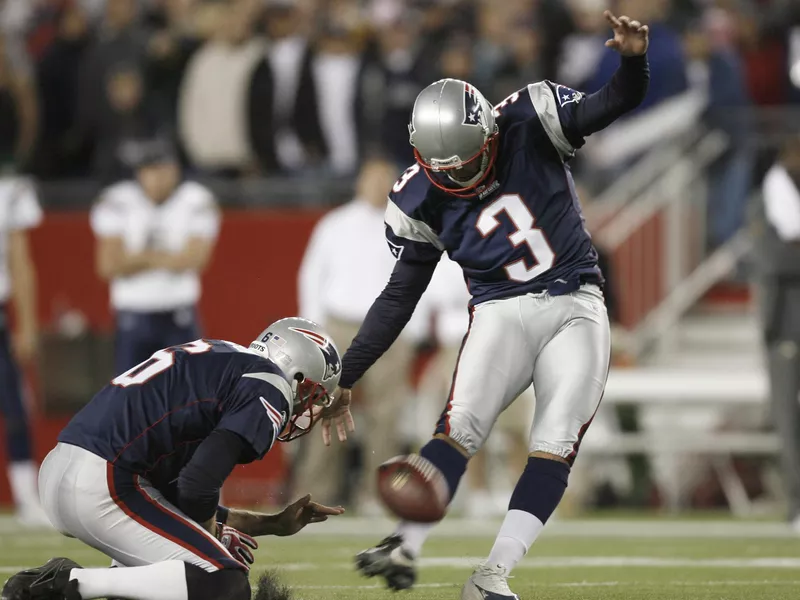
(155, 529)
(585, 427)
(444, 421)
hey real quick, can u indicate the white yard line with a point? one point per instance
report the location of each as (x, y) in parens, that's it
(460, 528)
(556, 562)
(368, 587)
(572, 584)
(568, 562)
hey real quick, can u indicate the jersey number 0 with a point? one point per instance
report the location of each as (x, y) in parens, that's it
(525, 233)
(159, 362)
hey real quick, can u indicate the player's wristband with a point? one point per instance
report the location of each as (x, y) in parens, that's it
(222, 514)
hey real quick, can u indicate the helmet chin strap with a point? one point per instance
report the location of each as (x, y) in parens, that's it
(475, 178)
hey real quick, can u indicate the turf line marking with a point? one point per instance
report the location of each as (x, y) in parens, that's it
(556, 562)
(564, 584)
(455, 527)
(569, 562)
(572, 584)
(370, 587)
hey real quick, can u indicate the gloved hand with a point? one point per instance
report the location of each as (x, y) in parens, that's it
(239, 544)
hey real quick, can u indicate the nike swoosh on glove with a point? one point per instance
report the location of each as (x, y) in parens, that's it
(239, 544)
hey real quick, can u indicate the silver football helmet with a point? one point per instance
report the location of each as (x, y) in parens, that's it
(453, 131)
(311, 361)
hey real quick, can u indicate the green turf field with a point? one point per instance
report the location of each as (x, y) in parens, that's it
(597, 559)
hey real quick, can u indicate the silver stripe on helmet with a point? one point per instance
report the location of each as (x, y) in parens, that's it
(544, 102)
(278, 382)
(411, 229)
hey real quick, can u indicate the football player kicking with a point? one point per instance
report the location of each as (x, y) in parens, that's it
(136, 474)
(491, 188)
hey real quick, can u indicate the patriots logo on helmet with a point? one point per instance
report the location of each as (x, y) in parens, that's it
(473, 109)
(567, 95)
(333, 365)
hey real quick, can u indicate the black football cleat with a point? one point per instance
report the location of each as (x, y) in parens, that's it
(389, 560)
(48, 582)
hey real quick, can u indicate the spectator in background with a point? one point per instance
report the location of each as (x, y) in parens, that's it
(772, 32)
(60, 151)
(445, 304)
(337, 64)
(126, 117)
(507, 53)
(395, 72)
(15, 16)
(120, 40)
(155, 235)
(580, 57)
(345, 267)
(456, 59)
(18, 111)
(168, 52)
(712, 41)
(286, 130)
(219, 94)
(778, 277)
(439, 18)
(491, 43)
(20, 212)
(521, 64)
(668, 74)
(555, 23)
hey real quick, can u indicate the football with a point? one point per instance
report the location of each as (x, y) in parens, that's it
(413, 489)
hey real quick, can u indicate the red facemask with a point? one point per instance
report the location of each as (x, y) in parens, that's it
(307, 412)
(469, 191)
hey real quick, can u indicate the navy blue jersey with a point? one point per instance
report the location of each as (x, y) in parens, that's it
(525, 231)
(152, 418)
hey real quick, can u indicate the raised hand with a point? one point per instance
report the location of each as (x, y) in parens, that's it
(339, 413)
(631, 38)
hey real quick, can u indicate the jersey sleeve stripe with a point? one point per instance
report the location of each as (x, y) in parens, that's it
(411, 229)
(275, 381)
(272, 414)
(544, 102)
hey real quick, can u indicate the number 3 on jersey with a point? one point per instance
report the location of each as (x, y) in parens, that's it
(525, 233)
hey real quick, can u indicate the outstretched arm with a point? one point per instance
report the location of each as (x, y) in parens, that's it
(627, 88)
(288, 522)
(388, 316)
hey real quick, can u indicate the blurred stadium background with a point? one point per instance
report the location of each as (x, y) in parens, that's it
(275, 105)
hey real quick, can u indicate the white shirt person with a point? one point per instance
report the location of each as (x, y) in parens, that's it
(155, 235)
(19, 213)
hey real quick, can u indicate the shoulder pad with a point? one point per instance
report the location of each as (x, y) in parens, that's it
(410, 189)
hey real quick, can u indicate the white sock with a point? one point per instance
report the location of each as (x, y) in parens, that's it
(161, 581)
(414, 535)
(23, 476)
(517, 533)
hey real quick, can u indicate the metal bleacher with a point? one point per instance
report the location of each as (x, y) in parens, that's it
(697, 377)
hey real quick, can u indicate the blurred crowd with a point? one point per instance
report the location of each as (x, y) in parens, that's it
(262, 87)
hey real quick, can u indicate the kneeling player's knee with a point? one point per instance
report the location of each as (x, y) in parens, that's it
(226, 584)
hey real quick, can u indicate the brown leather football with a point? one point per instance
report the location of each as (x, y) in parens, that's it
(413, 489)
